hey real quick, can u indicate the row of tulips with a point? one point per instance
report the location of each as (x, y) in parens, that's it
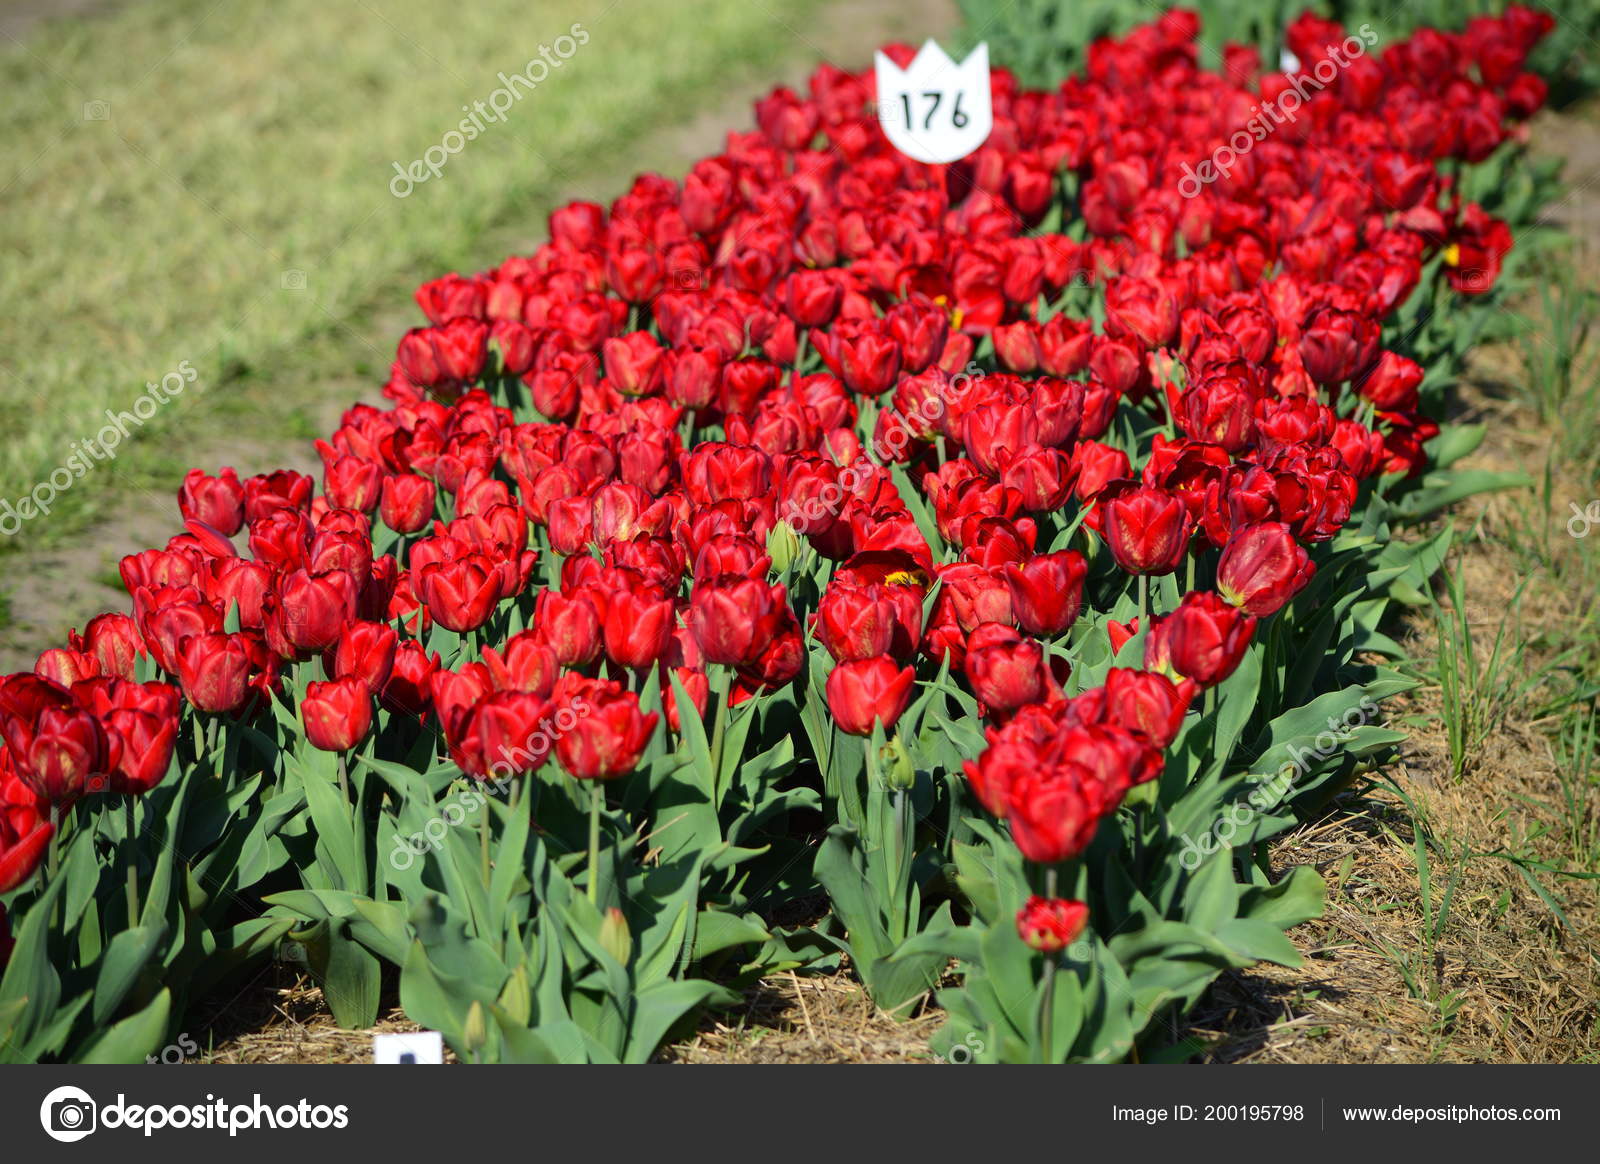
(813, 522)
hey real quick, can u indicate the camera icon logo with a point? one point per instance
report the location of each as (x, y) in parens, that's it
(293, 280)
(68, 1114)
(97, 111)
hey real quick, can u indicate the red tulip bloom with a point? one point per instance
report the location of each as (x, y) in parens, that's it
(406, 502)
(62, 755)
(64, 666)
(1054, 810)
(1206, 638)
(337, 714)
(525, 664)
(366, 651)
(214, 670)
(1147, 529)
(862, 692)
(460, 595)
(855, 622)
(25, 831)
(217, 501)
(147, 739)
(1047, 591)
(1262, 568)
(408, 689)
(609, 734)
(734, 618)
(1147, 703)
(1051, 924)
(315, 607)
(1006, 671)
(114, 640)
(570, 624)
(507, 733)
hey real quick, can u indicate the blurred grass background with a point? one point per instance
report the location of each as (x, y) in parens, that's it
(209, 181)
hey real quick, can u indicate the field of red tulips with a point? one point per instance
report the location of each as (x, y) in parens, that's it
(981, 562)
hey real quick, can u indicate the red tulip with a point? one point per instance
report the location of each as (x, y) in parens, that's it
(1047, 591)
(337, 714)
(637, 625)
(609, 733)
(62, 755)
(1006, 671)
(214, 670)
(1147, 529)
(25, 831)
(147, 740)
(217, 501)
(460, 595)
(408, 689)
(1051, 924)
(366, 651)
(406, 502)
(1205, 637)
(570, 624)
(1262, 568)
(1147, 703)
(734, 618)
(862, 692)
(855, 622)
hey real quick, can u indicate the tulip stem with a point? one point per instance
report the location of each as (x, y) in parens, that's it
(344, 779)
(1144, 600)
(53, 863)
(483, 840)
(1188, 577)
(596, 796)
(719, 723)
(1211, 701)
(1047, 1019)
(800, 340)
(133, 864)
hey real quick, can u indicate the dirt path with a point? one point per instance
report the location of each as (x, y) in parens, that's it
(49, 591)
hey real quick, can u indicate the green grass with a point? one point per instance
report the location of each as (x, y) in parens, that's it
(246, 148)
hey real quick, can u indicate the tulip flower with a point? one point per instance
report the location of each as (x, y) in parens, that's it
(218, 501)
(862, 692)
(1147, 529)
(460, 595)
(365, 651)
(1206, 637)
(1051, 924)
(337, 714)
(1262, 568)
(214, 670)
(609, 735)
(1047, 591)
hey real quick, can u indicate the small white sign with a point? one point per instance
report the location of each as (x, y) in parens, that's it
(936, 111)
(419, 1047)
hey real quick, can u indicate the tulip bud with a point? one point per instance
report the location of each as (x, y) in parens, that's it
(1051, 924)
(615, 937)
(895, 762)
(783, 546)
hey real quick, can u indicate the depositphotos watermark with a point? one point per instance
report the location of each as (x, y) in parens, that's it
(87, 454)
(1583, 520)
(1275, 789)
(503, 773)
(494, 108)
(887, 446)
(1266, 117)
(69, 1114)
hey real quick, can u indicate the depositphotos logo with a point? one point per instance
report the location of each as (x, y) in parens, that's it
(68, 1114)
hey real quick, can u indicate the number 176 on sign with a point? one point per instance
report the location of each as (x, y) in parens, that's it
(936, 111)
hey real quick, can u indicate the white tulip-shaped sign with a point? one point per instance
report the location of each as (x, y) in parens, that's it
(936, 111)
